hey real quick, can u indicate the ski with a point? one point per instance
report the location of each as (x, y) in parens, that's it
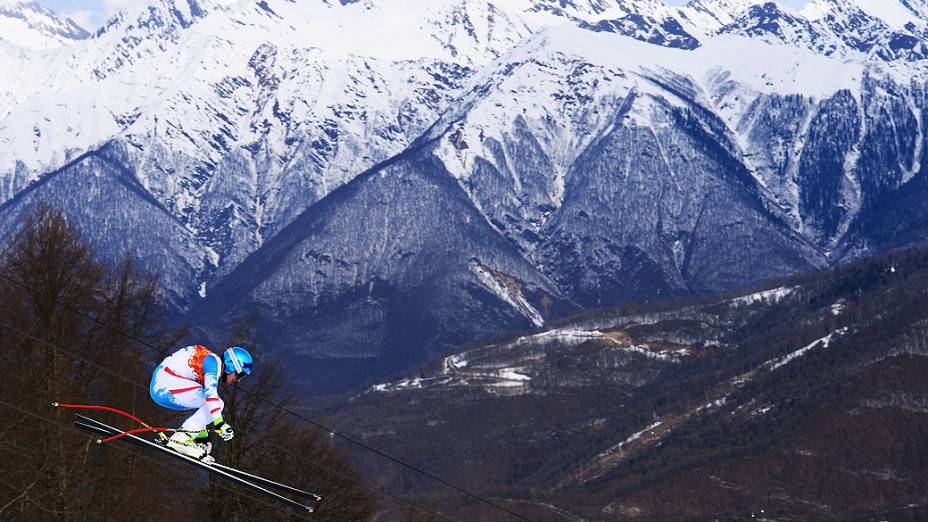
(267, 483)
(239, 477)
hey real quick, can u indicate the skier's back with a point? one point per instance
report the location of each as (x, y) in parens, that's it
(189, 379)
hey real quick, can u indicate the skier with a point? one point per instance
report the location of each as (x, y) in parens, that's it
(188, 380)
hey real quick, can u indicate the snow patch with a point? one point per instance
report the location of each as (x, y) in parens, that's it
(405, 384)
(512, 375)
(644, 350)
(714, 404)
(629, 440)
(764, 67)
(571, 335)
(212, 256)
(508, 291)
(766, 297)
(823, 342)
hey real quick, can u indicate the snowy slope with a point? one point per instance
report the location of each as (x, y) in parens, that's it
(302, 96)
(240, 115)
(168, 63)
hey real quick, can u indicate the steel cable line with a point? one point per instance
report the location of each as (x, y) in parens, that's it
(300, 416)
(161, 463)
(269, 444)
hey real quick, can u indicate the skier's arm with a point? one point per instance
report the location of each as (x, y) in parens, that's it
(212, 370)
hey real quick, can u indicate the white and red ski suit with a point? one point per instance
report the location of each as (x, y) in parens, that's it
(187, 380)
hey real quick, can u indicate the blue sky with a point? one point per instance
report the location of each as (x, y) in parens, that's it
(90, 13)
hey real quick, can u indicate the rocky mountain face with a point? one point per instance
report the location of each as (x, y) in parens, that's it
(781, 402)
(89, 189)
(299, 163)
(391, 261)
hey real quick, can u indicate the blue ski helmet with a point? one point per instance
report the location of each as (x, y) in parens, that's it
(237, 360)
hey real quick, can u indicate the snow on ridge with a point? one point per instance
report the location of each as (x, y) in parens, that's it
(643, 350)
(567, 336)
(567, 333)
(780, 69)
(764, 67)
(505, 378)
(404, 384)
(892, 12)
(823, 342)
(772, 296)
(816, 10)
(629, 440)
(508, 379)
(512, 375)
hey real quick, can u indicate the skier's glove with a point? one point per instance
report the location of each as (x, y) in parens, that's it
(223, 429)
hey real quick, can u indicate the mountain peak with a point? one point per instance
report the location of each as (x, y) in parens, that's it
(707, 16)
(30, 25)
(897, 14)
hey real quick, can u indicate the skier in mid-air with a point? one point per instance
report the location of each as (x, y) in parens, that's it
(188, 380)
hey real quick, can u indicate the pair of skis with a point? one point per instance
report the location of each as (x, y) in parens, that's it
(261, 485)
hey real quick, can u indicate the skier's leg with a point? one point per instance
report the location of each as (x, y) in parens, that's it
(199, 420)
(179, 394)
(192, 439)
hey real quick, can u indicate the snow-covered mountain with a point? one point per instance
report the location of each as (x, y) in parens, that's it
(897, 14)
(836, 29)
(28, 24)
(595, 151)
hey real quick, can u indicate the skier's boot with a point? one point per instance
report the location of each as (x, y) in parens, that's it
(195, 446)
